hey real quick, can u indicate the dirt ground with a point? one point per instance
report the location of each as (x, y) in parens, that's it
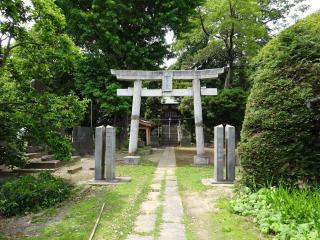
(31, 224)
(200, 206)
(205, 219)
(184, 155)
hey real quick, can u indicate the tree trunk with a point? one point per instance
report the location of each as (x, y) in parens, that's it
(230, 51)
(231, 56)
(229, 77)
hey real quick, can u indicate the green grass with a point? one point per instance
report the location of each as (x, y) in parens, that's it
(2, 236)
(189, 177)
(122, 206)
(50, 212)
(188, 228)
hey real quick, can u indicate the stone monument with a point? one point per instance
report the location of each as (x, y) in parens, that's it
(218, 154)
(109, 153)
(230, 144)
(99, 153)
(105, 165)
(82, 140)
(167, 78)
(224, 154)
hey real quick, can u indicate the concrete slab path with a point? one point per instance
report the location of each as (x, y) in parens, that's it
(171, 216)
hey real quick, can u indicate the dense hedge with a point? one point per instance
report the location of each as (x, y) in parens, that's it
(32, 193)
(280, 134)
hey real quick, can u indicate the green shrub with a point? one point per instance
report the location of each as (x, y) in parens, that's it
(32, 193)
(228, 107)
(280, 134)
(11, 121)
(288, 214)
(60, 146)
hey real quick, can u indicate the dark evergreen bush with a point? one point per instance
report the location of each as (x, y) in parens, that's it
(32, 193)
(280, 134)
(228, 107)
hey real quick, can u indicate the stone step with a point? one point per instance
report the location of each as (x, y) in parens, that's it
(39, 164)
(32, 170)
(75, 158)
(32, 149)
(75, 169)
(33, 155)
(47, 158)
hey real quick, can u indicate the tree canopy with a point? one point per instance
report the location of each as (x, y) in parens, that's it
(121, 35)
(229, 33)
(37, 82)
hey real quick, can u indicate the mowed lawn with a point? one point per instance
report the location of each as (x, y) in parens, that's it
(122, 204)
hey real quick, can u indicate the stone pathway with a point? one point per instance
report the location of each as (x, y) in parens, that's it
(168, 206)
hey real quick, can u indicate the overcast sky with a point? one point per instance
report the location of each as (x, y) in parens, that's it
(314, 6)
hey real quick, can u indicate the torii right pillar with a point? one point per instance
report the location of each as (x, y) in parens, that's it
(200, 158)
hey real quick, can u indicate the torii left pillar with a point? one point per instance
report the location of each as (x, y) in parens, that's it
(132, 159)
(135, 116)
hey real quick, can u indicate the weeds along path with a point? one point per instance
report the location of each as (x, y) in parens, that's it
(161, 215)
(207, 214)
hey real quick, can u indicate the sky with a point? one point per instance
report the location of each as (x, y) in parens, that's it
(314, 6)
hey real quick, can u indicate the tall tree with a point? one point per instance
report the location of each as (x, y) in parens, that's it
(123, 35)
(14, 16)
(36, 85)
(230, 32)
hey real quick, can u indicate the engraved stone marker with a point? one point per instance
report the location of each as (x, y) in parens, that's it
(230, 153)
(109, 153)
(218, 154)
(99, 153)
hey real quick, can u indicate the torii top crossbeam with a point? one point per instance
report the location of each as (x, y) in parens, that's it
(127, 75)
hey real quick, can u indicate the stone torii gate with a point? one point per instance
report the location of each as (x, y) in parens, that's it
(167, 77)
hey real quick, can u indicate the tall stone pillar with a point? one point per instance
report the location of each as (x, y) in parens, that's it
(230, 144)
(200, 158)
(218, 154)
(109, 154)
(99, 153)
(135, 116)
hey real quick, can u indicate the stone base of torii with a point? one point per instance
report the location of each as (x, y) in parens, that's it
(167, 78)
